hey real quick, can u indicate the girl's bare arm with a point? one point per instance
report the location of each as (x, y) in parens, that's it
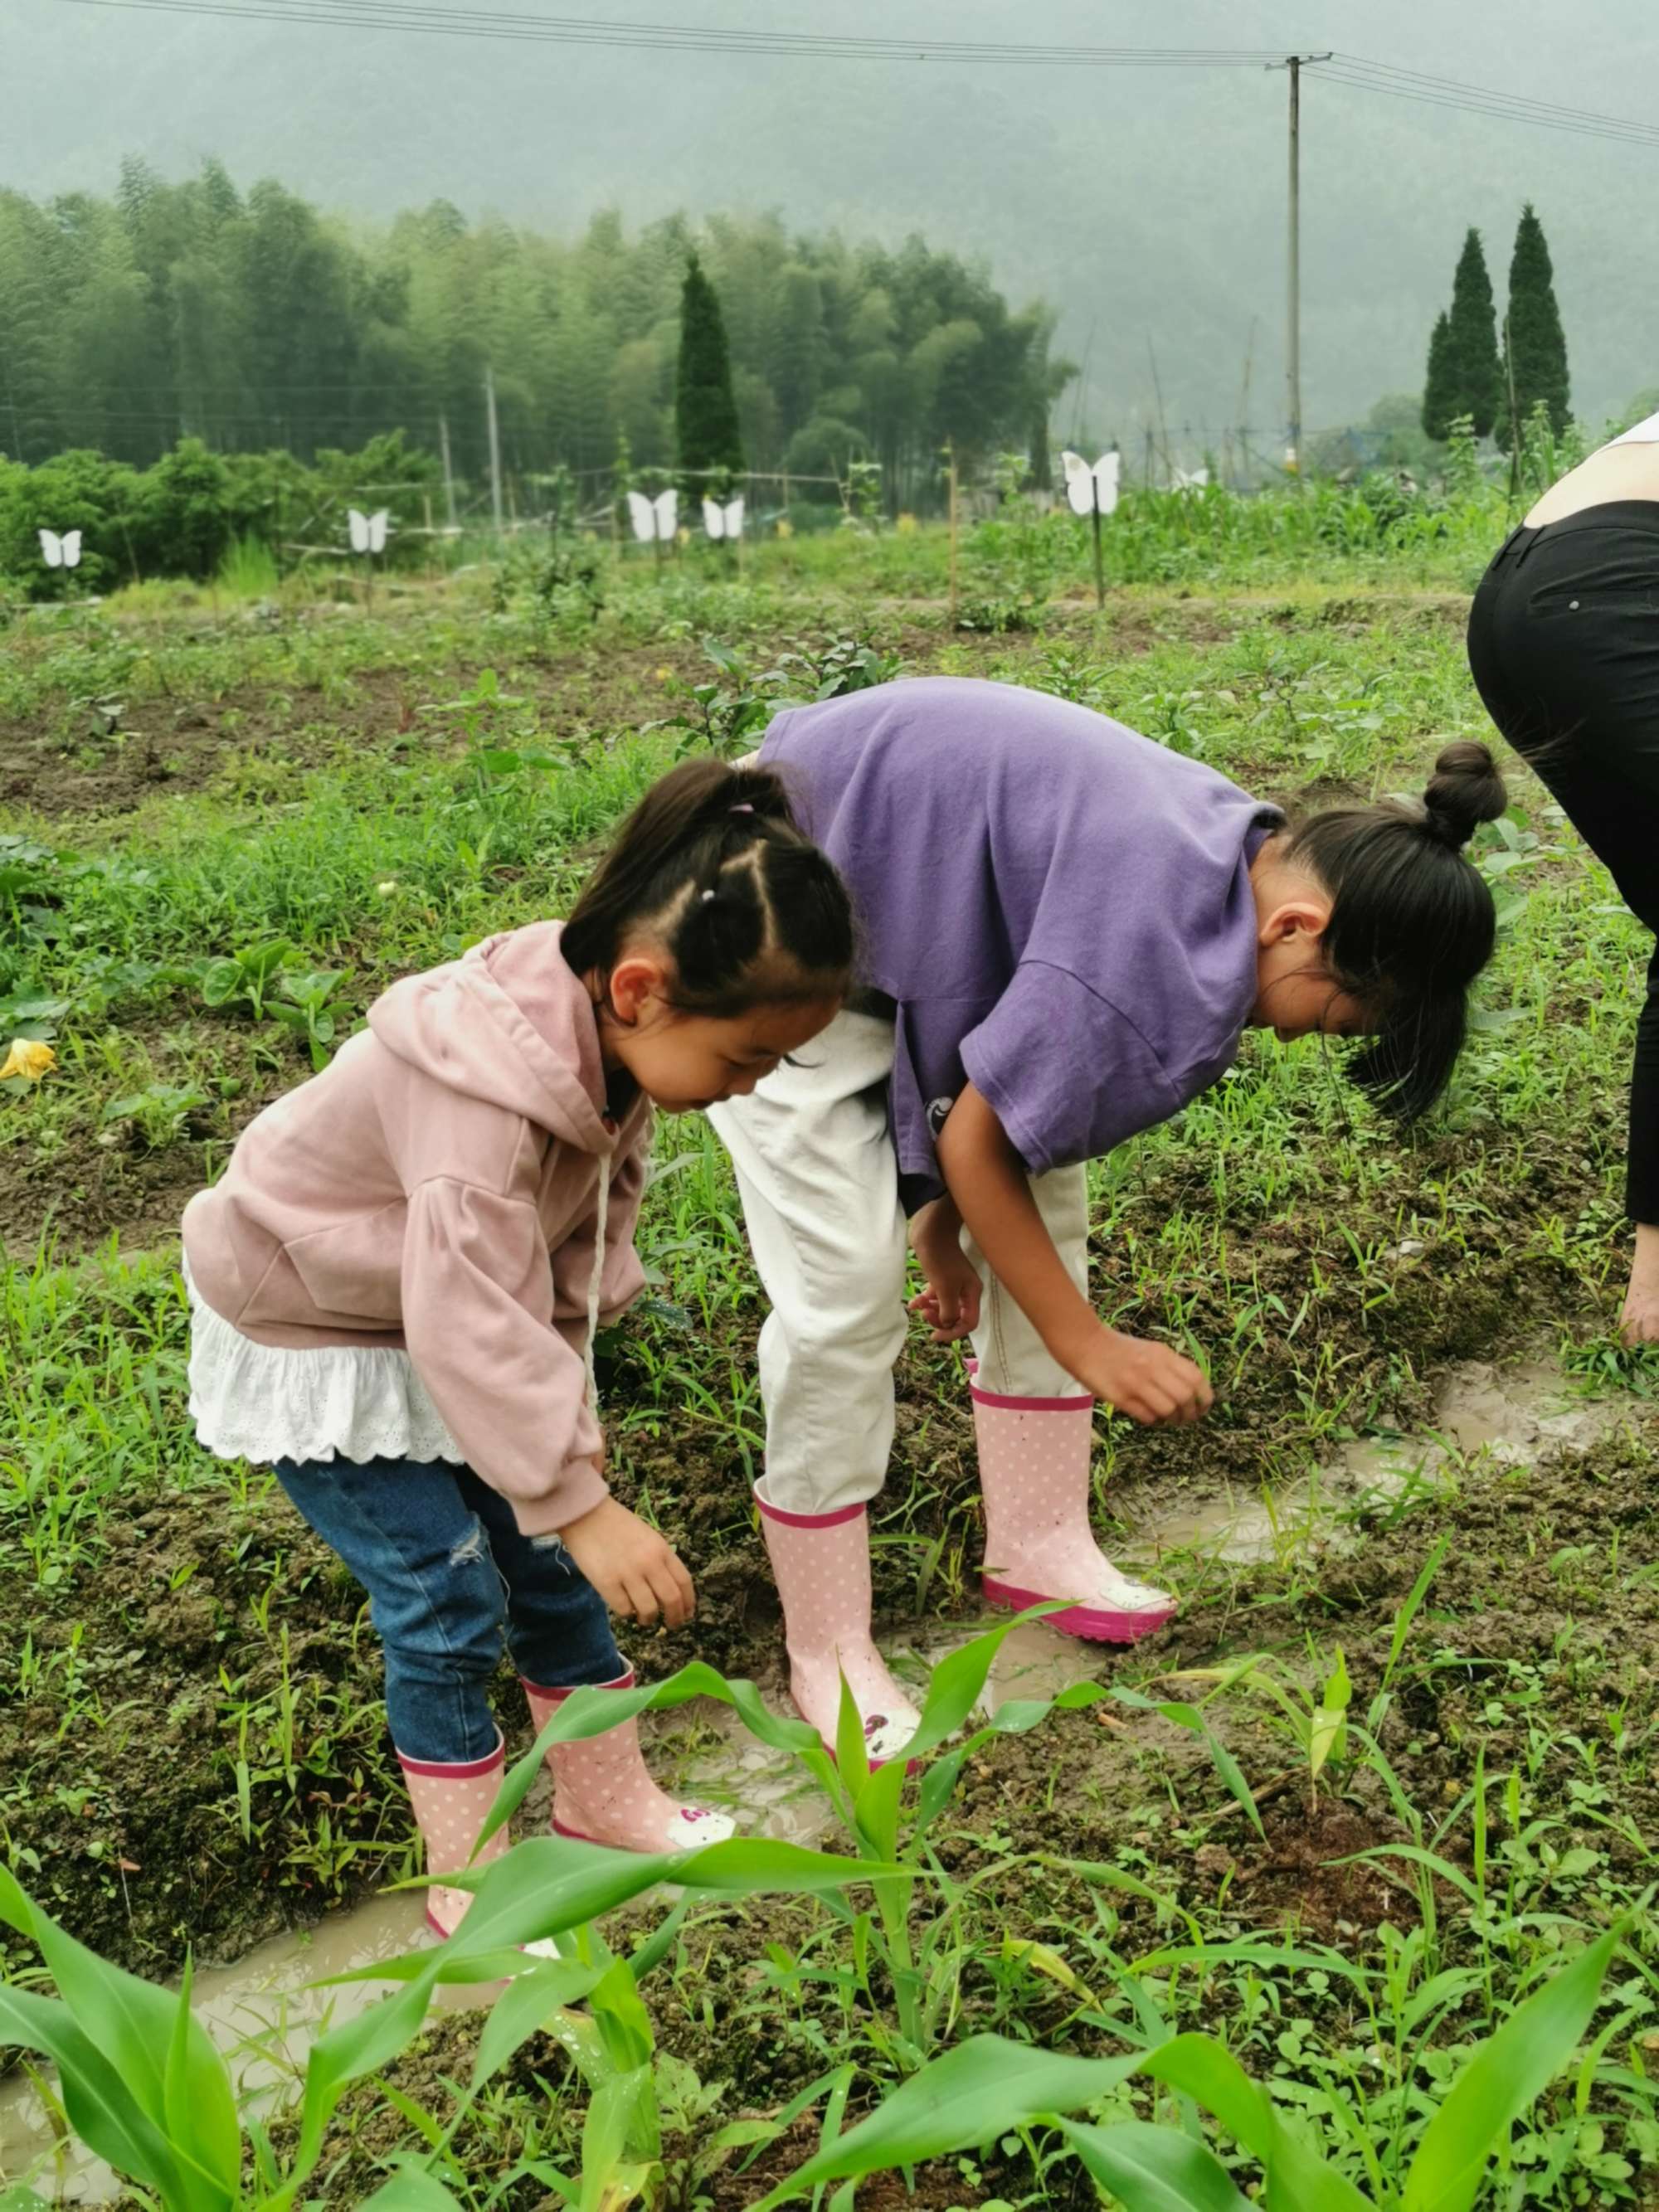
(988, 1180)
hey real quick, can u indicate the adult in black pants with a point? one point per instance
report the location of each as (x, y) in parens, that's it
(1564, 644)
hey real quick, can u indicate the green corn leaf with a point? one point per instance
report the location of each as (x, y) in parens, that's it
(1298, 2179)
(548, 1884)
(412, 2188)
(113, 2033)
(852, 1753)
(621, 2019)
(974, 2094)
(959, 1680)
(657, 1947)
(199, 2102)
(345, 2054)
(1505, 2075)
(1155, 2169)
(877, 1810)
(100, 2108)
(523, 2006)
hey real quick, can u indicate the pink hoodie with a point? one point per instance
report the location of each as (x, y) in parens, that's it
(439, 1187)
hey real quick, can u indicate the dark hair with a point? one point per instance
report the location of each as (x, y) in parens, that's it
(1412, 923)
(748, 909)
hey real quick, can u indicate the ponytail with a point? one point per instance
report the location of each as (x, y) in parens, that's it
(1413, 921)
(748, 910)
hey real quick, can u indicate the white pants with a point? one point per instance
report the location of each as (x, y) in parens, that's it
(819, 1182)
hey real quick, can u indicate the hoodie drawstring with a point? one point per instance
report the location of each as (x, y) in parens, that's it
(596, 1284)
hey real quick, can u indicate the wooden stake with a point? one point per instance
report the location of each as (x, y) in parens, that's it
(1100, 565)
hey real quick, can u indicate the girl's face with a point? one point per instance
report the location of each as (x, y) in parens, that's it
(686, 1061)
(1295, 995)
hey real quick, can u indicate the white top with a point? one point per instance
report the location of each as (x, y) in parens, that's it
(263, 1402)
(1645, 432)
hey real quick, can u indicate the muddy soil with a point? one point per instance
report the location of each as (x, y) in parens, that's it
(1547, 1596)
(129, 1822)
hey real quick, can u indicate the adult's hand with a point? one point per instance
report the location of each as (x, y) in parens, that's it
(1639, 1321)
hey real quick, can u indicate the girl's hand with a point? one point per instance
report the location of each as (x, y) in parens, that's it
(949, 1304)
(633, 1569)
(1146, 1381)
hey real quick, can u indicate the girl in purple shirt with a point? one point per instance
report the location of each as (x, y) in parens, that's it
(1065, 931)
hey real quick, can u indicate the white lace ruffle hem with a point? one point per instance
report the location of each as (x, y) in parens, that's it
(263, 1402)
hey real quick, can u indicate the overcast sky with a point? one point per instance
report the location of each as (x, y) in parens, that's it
(1148, 204)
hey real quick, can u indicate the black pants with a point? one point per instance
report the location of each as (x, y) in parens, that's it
(1564, 645)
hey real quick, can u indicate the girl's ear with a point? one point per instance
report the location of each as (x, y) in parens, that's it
(1299, 917)
(634, 982)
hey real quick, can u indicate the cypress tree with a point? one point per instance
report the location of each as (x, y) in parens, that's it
(1537, 347)
(1439, 383)
(1476, 373)
(705, 411)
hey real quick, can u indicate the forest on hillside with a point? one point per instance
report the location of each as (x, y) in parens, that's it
(252, 320)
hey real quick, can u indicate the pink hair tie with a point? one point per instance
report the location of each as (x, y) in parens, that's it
(745, 809)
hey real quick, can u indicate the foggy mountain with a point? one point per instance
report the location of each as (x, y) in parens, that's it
(1147, 204)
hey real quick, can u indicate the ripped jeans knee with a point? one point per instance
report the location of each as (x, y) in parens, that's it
(453, 1585)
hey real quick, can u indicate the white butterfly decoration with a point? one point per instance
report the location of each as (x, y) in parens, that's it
(653, 519)
(723, 521)
(1193, 480)
(63, 552)
(1091, 491)
(368, 530)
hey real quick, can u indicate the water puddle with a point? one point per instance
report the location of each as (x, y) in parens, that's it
(264, 2018)
(1517, 1414)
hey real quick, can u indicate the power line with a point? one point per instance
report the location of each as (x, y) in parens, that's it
(1480, 100)
(1357, 72)
(459, 22)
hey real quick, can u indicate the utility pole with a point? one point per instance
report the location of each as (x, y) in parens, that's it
(495, 450)
(1293, 300)
(449, 474)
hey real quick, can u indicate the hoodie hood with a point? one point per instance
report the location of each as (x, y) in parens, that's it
(508, 1024)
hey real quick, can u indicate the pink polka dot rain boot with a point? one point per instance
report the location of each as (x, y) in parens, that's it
(603, 1792)
(451, 1805)
(1034, 1471)
(821, 1565)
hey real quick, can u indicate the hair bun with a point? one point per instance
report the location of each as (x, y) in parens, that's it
(1465, 790)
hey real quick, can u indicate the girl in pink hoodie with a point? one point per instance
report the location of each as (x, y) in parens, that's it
(396, 1283)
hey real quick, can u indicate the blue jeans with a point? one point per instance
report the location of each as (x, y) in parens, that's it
(451, 1582)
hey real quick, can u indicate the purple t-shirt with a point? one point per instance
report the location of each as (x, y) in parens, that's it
(1060, 909)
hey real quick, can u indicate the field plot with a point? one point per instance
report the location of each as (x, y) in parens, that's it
(1425, 1504)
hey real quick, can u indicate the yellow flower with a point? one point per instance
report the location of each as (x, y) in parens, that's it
(784, 527)
(664, 675)
(29, 1058)
(905, 524)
